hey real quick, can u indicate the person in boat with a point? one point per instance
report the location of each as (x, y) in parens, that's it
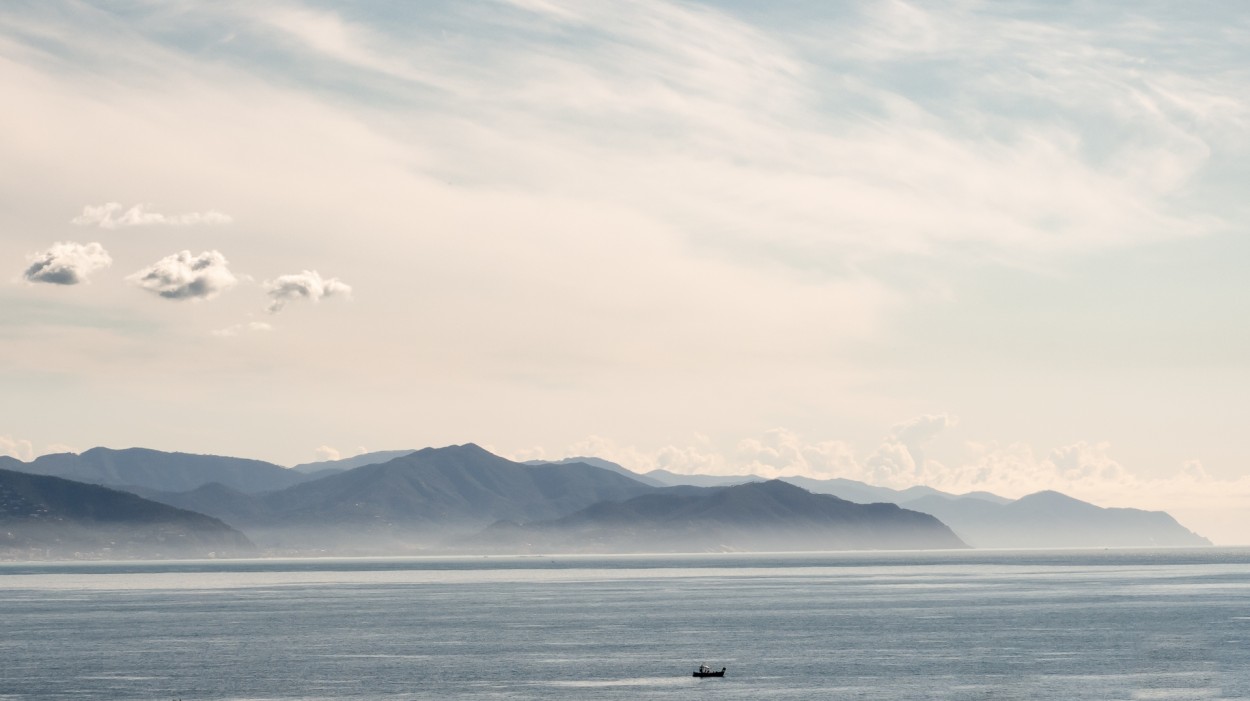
(704, 669)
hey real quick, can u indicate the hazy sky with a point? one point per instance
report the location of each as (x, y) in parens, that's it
(975, 245)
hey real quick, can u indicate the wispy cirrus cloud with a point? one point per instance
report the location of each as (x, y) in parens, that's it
(236, 329)
(307, 284)
(112, 215)
(822, 154)
(182, 276)
(67, 263)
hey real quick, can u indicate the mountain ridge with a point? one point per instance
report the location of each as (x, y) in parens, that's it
(770, 516)
(1055, 520)
(326, 467)
(415, 498)
(65, 518)
(166, 471)
(984, 519)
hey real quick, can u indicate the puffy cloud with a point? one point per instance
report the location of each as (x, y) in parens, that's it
(111, 216)
(892, 464)
(1193, 470)
(1214, 507)
(1086, 462)
(779, 452)
(67, 263)
(237, 329)
(183, 276)
(25, 451)
(325, 452)
(1083, 469)
(922, 429)
(304, 285)
(782, 452)
(531, 453)
(1010, 470)
(698, 458)
(900, 459)
(17, 448)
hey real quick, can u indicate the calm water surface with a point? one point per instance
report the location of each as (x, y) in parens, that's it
(984, 625)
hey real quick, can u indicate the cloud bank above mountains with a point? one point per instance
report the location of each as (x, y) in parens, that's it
(1211, 505)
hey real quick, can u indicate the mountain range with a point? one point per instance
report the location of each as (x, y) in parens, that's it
(1045, 519)
(756, 516)
(1052, 520)
(406, 504)
(419, 500)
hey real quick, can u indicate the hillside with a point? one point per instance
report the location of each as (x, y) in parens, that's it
(1053, 520)
(448, 485)
(757, 516)
(51, 517)
(985, 520)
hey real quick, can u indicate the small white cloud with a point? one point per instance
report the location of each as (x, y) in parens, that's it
(1083, 461)
(237, 329)
(305, 285)
(923, 428)
(1194, 470)
(66, 263)
(17, 448)
(781, 452)
(891, 464)
(901, 457)
(325, 452)
(524, 454)
(183, 276)
(111, 216)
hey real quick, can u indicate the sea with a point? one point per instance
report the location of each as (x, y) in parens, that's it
(1093, 624)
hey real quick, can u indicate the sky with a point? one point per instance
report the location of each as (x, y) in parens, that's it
(974, 245)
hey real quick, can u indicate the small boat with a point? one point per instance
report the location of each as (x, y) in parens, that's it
(706, 671)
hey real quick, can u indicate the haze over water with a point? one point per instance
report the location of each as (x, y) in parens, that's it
(1002, 625)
